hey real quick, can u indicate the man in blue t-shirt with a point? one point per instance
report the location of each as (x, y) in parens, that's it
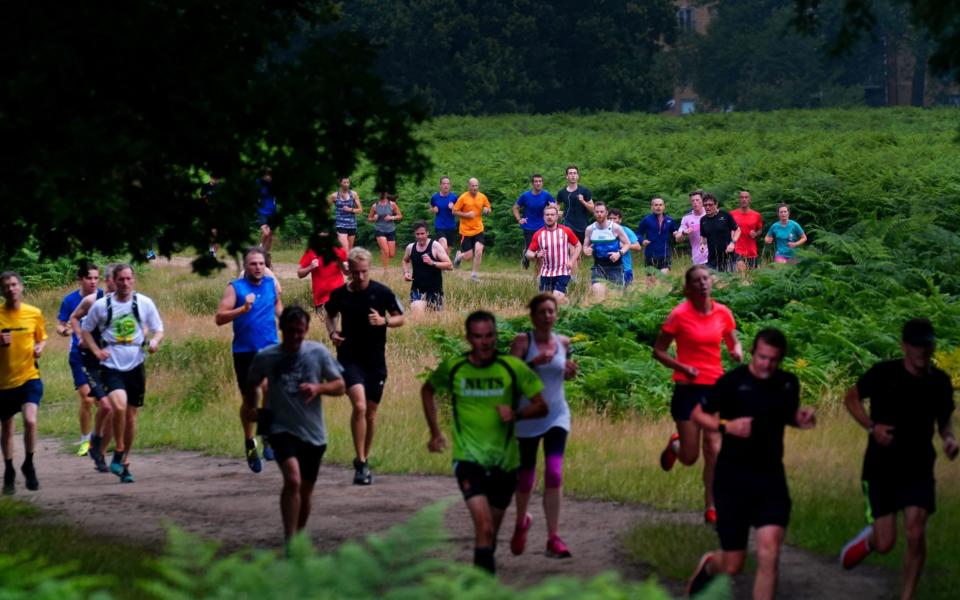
(444, 225)
(88, 277)
(533, 201)
(617, 217)
(656, 229)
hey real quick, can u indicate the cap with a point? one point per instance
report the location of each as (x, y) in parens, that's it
(918, 332)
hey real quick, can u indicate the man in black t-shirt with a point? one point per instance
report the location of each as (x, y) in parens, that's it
(577, 203)
(751, 405)
(908, 397)
(719, 232)
(366, 309)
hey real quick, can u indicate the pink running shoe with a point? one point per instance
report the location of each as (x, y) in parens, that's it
(556, 548)
(856, 549)
(710, 516)
(518, 543)
(669, 455)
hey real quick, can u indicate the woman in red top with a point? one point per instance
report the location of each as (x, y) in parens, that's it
(698, 325)
(325, 267)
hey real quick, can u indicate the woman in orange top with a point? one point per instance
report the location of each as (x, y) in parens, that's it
(698, 325)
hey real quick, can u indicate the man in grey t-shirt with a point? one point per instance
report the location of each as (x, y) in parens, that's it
(298, 372)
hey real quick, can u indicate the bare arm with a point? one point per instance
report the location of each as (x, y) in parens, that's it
(358, 207)
(587, 248)
(372, 215)
(80, 312)
(437, 440)
(443, 261)
(226, 311)
(733, 345)
(516, 214)
(519, 346)
(304, 271)
(397, 215)
(661, 355)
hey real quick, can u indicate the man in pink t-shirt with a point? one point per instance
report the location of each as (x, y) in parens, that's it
(690, 227)
(751, 227)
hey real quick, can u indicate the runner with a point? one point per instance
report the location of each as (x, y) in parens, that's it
(444, 226)
(719, 233)
(656, 230)
(577, 202)
(751, 227)
(788, 236)
(470, 207)
(547, 354)
(698, 325)
(123, 320)
(606, 242)
(326, 267)
(384, 215)
(297, 373)
(533, 201)
(22, 340)
(908, 396)
(347, 206)
(366, 309)
(557, 248)
(423, 264)
(252, 303)
(690, 228)
(617, 217)
(266, 210)
(484, 389)
(88, 277)
(750, 407)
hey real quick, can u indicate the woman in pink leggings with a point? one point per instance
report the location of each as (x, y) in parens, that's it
(548, 354)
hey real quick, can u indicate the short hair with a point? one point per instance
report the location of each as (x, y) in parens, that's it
(655, 198)
(597, 203)
(574, 167)
(710, 197)
(783, 205)
(357, 253)
(84, 267)
(8, 274)
(697, 192)
(918, 332)
(688, 276)
(109, 269)
(479, 316)
(293, 314)
(254, 250)
(418, 225)
(120, 267)
(536, 175)
(771, 337)
(539, 299)
(444, 177)
(613, 212)
(551, 206)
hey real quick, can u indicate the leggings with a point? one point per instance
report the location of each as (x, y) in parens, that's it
(554, 443)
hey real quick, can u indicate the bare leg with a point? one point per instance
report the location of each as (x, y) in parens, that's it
(916, 554)
(358, 419)
(290, 503)
(86, 403)
(371, 420)
(477, 257)
(384, 252)
(129, 433)
(483, 522)
(711, 448)
(306, 503)
(769, 542)
(118, 399)
(344, 240)
(29, 410)
(689, 442)
(392, 246)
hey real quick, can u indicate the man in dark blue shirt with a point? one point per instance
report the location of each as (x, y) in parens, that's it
(444, 225)
(533, 201)
(656, 229)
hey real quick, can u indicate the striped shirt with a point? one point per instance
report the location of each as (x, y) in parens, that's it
(553, 243)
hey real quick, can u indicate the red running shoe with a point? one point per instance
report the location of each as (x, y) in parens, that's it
(700, 577)
(669, 455)
(556, 548)
(856, 549)
(518, 543)
(710, 516)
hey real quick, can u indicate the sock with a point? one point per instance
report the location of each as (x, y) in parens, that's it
(8, 464)
(29, 459)
(117, 457)
(85, 438)
(250, 443)
(483, 558)
(95, 441)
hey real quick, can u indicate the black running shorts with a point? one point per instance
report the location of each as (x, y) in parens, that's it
(685, 397)
(371, 378)
(886, 497)
(134, 382)
(748, 498)
(493, 482)
(286, 446)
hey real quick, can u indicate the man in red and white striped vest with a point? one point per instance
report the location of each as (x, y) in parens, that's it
(556, 247)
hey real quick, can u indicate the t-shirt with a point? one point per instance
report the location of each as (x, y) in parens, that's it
(912, 405)
(555, 262)
(363, 343)
(444, 217)
(70, 303)
(698, 338)
(575, 214)
(268, 203)
(124, 336)
(467, 203)
(327, 277)
(690, 225)
(772, 403)
(479, 435)
(533, 205)
(718, 232)
(627, 260)
(783, 234)
(746, 246)
(659, 233)
(17, 363)
(257, 329)
(285, 371)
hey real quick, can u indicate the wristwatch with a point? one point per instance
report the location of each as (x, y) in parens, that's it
(722, 427)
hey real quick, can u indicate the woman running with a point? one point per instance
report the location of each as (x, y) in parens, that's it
(384, 215)
(788, 236)
(326, 268)
(546, 353)
(698, 325)
(346, 204)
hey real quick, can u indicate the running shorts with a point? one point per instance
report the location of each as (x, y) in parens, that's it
(685, 397)
(371, 378)
(347, 230)
(94, 374)
(134, 382)
(451, 235)
(390, 236)
(467, 242)
(433, 299)
(891, 496)
(241, 366)
(609, 273)
(657, 262)
(748, 498)
(76, 368)
(555, 284)
(12, 400)
(286, 445)
(493, 482)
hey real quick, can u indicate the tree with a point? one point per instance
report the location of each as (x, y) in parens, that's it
(115, 113)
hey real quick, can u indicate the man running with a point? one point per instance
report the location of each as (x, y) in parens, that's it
(557, 248)
(252, 303)
(751, 406)
(366, 309)
(719, 233)
(266, 210)
(470, 207)
(656, 230)
(690, 228)
(751, 227)
(124, 320)
(908, 396)
(577, 202)
(88, 278)
(444, 225)
(424, 262)
(346, 205)
(485, 390)
(533, 201)
(606, 242)
(617, 217)
(297, 373)
(22, 340)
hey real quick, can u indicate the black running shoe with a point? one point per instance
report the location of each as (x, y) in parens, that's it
(9, 482)
(361, 475)
(30, 474)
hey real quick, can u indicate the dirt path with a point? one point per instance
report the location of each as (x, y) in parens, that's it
(220, 498)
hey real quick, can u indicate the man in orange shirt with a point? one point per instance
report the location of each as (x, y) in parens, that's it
(470, 207)
(751, 227)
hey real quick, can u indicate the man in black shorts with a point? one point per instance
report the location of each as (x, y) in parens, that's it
(424, 262)
(719, 232)
(297, 371)
(908, 396)
(366, 308)
(750, 406)
(444, 224)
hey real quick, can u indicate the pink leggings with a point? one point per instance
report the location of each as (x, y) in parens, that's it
(554, 443)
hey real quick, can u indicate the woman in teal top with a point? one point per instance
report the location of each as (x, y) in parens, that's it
(787, 234)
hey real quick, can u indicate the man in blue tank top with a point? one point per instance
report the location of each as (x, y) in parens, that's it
(252, 303)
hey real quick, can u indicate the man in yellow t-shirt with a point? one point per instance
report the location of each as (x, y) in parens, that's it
(470, 207)
(22, 339)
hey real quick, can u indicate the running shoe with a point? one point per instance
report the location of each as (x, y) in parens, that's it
(30, 474)
(700, 577)
(669, 455)
(253, 459)
(9, 482)
(361, 475)
(116, 467)
(856, 549)
(456, 260)
(84, 448)
(710, 516)
(151, 255)
(99, 463)
(126, 477)
(556, 548)
(475, 277)
(268, 452)
(518, 542)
